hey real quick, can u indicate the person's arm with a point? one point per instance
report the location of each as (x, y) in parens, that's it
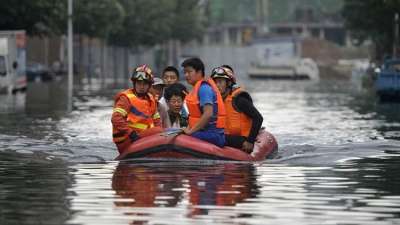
(119, 116)
(203, 121)
(157, 119)
(247, 107)
(164, 115)
(206, 99)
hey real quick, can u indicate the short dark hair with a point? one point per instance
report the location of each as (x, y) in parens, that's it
(228, 66)
(177, 89)
(171, 69)
(195, 63)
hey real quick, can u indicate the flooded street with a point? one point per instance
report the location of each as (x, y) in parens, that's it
(338, 160)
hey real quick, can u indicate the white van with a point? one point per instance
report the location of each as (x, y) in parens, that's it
(12, 61)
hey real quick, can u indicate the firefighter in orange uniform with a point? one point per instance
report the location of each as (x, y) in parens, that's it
(135, 110)
(243, 120)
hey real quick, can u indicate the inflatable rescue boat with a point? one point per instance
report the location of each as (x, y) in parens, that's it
(165, 146)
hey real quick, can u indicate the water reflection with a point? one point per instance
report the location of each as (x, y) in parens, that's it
(355, 191)
(12, 103)
(47, 98)
(33, 189)
(150, 185)
(385, 113)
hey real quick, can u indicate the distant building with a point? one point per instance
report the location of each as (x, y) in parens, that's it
(308, 18)
(238, 22)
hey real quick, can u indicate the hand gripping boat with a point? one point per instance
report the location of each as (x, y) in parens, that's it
(166, 146)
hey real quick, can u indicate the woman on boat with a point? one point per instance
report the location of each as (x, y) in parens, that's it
(175, 95)
(243, 120)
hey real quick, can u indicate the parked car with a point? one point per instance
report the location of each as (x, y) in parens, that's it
(36, 71)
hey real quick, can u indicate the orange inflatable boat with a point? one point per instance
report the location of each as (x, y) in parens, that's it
(182, 146)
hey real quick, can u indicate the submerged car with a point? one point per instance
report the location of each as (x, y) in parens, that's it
(38, 72)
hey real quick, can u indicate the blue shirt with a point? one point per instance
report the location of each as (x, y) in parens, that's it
(210, 132)
(207, 96)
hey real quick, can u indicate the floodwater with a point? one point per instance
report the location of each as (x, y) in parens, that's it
(338, 160)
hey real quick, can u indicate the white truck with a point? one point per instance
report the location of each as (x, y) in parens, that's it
(280, 58)
(12, 61)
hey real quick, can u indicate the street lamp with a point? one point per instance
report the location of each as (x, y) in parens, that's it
(70, 56)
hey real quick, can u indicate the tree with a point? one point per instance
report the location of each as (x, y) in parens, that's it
(150, 22)
(39, 17)
(97, 18)
(372, 19)
(187, 22)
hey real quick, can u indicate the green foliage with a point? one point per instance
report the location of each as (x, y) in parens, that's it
(186, 20)
(36, 17)
(372, 19)
(148, 22)
(97, 18)
(122, 22)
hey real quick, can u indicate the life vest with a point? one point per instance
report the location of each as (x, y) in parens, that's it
(141, 116)
(237, 123)
(193, 104)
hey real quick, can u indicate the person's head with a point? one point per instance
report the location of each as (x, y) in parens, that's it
(224, 78)
(157, 88)
(142, 79)
(193, 69)
(170, 75)
(228, 67)
(175, 95)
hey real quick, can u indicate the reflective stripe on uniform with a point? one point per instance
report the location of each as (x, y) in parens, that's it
(141, 126)
(121, 111)
(119, 139)
(156, 115)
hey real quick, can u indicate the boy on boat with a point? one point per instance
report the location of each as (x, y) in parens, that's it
(205, 105)
(170, 76)
(135, 110)
(243, 120)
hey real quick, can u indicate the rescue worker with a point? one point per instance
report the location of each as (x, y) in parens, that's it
(205, 105)
(135, 110)
(243, 120)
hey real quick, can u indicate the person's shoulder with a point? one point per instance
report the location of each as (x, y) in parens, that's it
(162, 101)
(120, 96)
(205, 87)
(243, 96)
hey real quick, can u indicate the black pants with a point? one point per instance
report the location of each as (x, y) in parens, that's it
(234, 141)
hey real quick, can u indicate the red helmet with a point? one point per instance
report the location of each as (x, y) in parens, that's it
(142, 72)
(223, 72)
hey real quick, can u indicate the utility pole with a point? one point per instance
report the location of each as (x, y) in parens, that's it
(396, 34)
(70, 57)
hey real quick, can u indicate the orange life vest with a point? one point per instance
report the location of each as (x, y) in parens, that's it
(193, 104)
(142, 114)
(237, 123)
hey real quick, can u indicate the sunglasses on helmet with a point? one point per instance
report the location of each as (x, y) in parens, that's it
(219, 71)
(141, 76)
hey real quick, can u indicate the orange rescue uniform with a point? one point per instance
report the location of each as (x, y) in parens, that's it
(193, 104)
(132, 113)
(237, 123)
